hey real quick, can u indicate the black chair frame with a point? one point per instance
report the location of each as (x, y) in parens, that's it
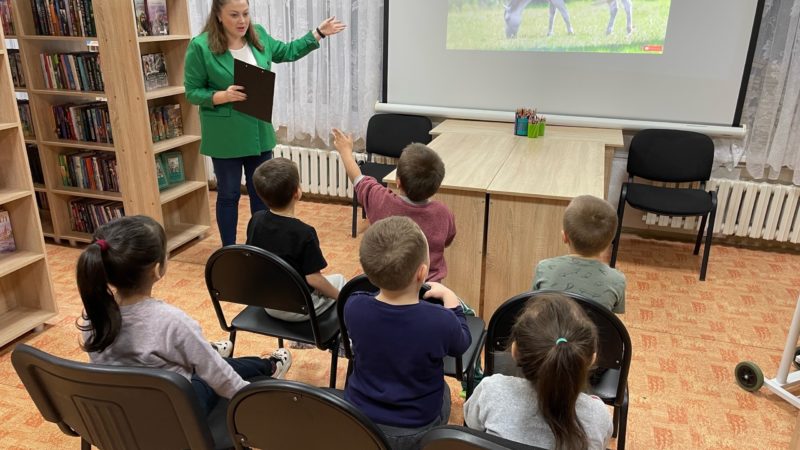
(451, 437)
(256, 294)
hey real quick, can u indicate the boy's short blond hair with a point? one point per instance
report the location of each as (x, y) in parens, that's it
(420, 171)
(276, 181)
(391, 252)
(590, 224)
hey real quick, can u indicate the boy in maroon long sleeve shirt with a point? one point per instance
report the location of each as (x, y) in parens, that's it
(419, 174)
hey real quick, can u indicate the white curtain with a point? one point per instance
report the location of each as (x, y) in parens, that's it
(773, 95)
(334, 86)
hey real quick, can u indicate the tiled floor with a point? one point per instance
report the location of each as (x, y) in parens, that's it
(687, 337)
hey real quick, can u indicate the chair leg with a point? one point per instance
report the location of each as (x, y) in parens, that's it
(355, 214)
(700, 235)
(615, 420)
(623, 423)
(620, 212)
(232, 338)
(280, 342)
(334, 364)
(85, 445)
(709, 237)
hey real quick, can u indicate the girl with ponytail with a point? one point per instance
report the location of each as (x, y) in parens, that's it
(554, 344)
(124, 325)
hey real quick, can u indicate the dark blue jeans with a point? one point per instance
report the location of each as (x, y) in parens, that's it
(248, 367)
(229, 176)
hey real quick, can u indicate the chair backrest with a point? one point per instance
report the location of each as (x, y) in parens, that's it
(451, 437)
(389, 134)
(614, 342)
(114, 407)
(268, 414)
(671, 156)
(358, 283)
(252, 276)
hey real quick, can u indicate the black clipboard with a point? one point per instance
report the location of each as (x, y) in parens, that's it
(259, 85)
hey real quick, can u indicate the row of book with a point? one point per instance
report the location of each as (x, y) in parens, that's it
(169, 169)
(166, 122)
(89, 170)
(5, 18)
(35, 163)
(151, 17)
(84, 122)
(78, 71)
(42, 202)
(87, 214)
(15, 61)
(7, 244)
(154, 68)
(25, 118)
(63, 17)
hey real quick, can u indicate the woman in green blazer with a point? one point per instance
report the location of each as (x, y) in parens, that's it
(233, 140)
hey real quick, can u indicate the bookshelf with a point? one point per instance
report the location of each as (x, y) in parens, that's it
(182, 208)
(26, 291)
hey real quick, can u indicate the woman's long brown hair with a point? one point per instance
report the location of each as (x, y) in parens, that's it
(217, 40)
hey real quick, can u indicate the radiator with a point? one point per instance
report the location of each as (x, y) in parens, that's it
(747, 209)
(322, 171)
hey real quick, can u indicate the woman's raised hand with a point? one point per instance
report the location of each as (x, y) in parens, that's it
(331, 26)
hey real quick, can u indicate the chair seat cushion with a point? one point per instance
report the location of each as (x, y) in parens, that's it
(477, 328)
(256, 320)
(606, 386)
(670, 201)
(377, 171)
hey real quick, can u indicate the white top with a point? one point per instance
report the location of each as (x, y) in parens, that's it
(508, 407)
(155, 334)
(244, 54)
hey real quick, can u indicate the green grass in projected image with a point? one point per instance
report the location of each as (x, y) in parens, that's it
(480, 25)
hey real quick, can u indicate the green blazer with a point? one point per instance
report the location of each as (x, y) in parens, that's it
(225, 132)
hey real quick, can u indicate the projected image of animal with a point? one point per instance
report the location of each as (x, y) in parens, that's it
(515, 8)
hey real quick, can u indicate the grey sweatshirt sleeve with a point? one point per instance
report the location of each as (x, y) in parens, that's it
(191, 349)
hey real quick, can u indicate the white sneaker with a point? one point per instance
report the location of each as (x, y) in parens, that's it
(283, 360)
(224, 348)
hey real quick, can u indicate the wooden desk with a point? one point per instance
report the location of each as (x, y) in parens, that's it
(528, 197)
(528, 183)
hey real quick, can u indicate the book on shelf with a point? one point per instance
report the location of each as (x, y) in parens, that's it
(157, 17)
(161, 173)
(5, 18)
(87, 214)
(43, 205)
(63, 17)
(154, 67)
(83, 122)
(166, 122)
(78, 71)
(25, 118)
(140, 15)
(7, 244)
(15, 62)
(35, 163)
(173, 163)
(93, 170)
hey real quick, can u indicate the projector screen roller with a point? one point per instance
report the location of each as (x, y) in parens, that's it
(683, 61)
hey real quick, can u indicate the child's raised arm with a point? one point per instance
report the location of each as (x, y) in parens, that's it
(344, 145)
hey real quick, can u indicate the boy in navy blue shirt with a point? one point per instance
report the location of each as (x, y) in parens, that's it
(398, 340)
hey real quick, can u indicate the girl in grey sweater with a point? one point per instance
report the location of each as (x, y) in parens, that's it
(127, 326)
(553, 343)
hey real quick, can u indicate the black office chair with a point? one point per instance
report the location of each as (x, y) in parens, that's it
(450, 437)
(288, 415)
(613, 352)
(112, 407)
(670, 156)
(256, 278)
(388, 135)
(460, 368)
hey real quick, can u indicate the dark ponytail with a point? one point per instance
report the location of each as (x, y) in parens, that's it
(123, 252)
(555, 344)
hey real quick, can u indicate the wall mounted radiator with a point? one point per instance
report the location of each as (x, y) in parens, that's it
(747, 209)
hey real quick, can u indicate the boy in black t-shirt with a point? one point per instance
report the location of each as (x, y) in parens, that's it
(278, 231)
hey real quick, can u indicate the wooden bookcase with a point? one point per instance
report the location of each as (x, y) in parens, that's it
(26, 290)
(183, 209)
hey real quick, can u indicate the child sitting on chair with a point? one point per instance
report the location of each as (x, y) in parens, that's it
(590, 224)
(127, 326)
(398, 340)
(420, 172)
(278, 231)
(554, 343)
